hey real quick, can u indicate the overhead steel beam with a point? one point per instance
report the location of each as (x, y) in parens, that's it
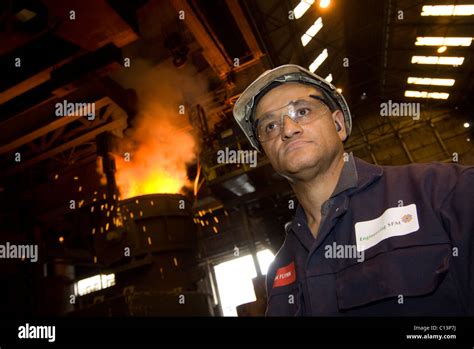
(48, 128)
(110, 126)
(244, 27)
(97, 25)
(400, 130)
(439, 139)
(367, 145)
(31, 82)
(25, 85)
(257, 31)
(405, 147)
(214, 55)
(259, 26)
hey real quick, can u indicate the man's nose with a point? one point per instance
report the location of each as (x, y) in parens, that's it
(290, 127)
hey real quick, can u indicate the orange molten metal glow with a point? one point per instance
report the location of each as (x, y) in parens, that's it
(158, 162)
(149, 183)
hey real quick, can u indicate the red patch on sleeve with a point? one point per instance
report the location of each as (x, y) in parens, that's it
(285, 275)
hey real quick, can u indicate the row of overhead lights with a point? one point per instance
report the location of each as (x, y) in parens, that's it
(314, 29)
(443, 43)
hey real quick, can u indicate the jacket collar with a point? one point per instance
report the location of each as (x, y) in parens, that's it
(366, 173)
(355, 177)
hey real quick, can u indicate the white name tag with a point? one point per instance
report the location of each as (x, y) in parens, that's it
(395, 221)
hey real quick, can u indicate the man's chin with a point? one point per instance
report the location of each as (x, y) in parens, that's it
(299, 159)
(297, 169)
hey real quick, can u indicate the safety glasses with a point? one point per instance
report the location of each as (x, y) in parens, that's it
(302, 111)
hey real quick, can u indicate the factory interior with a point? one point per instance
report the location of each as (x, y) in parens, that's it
(114, 115)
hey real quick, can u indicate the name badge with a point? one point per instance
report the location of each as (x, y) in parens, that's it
(395, 221)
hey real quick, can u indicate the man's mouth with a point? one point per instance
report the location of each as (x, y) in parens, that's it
(294, 145)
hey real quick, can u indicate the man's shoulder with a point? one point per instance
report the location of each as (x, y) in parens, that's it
(283, 258)
(437, 172)
(284, 254)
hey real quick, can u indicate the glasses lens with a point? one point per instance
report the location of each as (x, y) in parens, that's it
(302, 111)
(268, 127)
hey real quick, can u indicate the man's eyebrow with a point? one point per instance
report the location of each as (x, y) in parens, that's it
(272, 112)
(298, 102)
(265, 115)
(294, 102)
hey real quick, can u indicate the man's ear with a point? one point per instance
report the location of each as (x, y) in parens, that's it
(338, 118)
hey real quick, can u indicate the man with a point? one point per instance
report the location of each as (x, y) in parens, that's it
(366, 239)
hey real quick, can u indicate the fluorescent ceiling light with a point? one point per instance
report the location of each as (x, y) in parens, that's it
(318, 61)
(329, 78)
(431, 81)
(425, 94)
(305, 38)
(443, 41)
(447, 10)
(302, 7)
(437, 60)
(312, 31)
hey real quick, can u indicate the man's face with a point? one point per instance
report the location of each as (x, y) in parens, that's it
(301, 151)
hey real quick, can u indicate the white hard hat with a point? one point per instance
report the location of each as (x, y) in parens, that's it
(245, 105)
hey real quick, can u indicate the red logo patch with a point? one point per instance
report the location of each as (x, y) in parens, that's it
(285, 276)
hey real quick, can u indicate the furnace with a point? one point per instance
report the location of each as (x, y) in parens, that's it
(154, 258)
